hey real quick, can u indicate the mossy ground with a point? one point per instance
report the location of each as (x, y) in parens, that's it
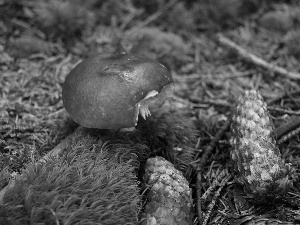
(91, 183)
(36, 55)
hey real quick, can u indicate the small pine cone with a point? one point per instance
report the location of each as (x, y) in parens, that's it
(255, 155)
(169, 198)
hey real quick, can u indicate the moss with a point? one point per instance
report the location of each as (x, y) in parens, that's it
(96, 180)
(167, 133)
(173, 135)
(91, 184)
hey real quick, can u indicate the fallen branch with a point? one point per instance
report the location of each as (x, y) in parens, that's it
(246, 55)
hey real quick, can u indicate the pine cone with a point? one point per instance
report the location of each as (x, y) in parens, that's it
(169, 198)
(256, 156)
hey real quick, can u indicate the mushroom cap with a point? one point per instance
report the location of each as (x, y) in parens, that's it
(104, 91)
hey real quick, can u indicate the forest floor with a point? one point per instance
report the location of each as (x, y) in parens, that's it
(215, 50)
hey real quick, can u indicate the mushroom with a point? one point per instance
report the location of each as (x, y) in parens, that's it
(111, 91)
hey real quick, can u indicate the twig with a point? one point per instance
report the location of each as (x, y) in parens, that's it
(183, 77)
(22, 24)
(151, 18)
(199, 200)
(61, 64)
(57, 112)
(189, 103)
(212, 145)
(214, 185)
(220, 103)
(236, 75)
(293, 124)
(130, 17)
(289, 136)
(195, 103)
(255, 59)
(285, 111)
(203, 160)
(271, 101)
(215, 198)
(55, 152)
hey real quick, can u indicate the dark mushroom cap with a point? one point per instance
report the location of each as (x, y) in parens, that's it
(105, 91)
